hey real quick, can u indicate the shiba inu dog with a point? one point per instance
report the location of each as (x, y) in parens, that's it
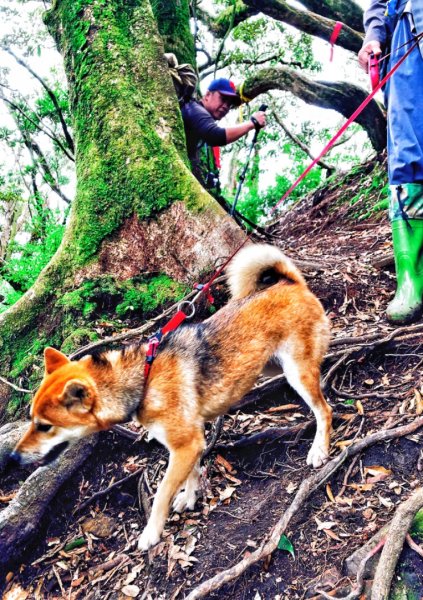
(201, 370)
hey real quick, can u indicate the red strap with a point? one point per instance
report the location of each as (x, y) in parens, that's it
(335, 33)
(374, 71)
(345, 126)
(216, 156)
(181, 316)
(174, 322)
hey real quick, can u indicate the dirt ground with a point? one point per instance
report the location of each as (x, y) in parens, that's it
(251, 476)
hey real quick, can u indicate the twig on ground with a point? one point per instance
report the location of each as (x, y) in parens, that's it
(143, 499)
(418, 549)
(15, 387)
(268, 435)
(218, 424)
(306, 488)
(128, 433)
(359, 585)
(347, 476)
(398, 530)
(388, 394)
(334, 368)
(108, 489)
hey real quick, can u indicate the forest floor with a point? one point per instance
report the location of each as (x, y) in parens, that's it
(251, 476)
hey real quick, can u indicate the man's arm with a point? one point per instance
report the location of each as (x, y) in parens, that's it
(375, 28)
(237, 131)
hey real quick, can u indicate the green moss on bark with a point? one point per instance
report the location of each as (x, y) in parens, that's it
(129, 152)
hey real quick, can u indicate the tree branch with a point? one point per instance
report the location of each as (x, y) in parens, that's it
(343, 97)
(301, 144)
(312, 23)
(51, 95)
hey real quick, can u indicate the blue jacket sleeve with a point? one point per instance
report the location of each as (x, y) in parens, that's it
(198, 120)
(375, 22)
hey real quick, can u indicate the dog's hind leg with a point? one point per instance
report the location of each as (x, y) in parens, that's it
(185, 500)
(303, 375)
(182, 460)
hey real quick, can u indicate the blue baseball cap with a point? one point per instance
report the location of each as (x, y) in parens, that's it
(226, 87)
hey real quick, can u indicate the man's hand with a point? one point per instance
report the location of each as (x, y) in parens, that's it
(260, 117)
(365, 52)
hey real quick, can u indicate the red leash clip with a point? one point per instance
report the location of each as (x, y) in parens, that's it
(374, 71)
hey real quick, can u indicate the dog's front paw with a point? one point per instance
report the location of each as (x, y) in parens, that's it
(317, 455)
(149, 538)
(184, 501)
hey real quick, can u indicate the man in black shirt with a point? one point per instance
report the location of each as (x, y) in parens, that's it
(200, 123)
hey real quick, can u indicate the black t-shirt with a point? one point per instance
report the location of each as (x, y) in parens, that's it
(200, 128)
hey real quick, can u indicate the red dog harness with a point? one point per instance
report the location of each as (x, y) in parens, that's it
(175, 321)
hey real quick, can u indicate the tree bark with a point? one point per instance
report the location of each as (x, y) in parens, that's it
(343, 97)
(21, 519)
(346, 11)
(137, 207)
(172, 18)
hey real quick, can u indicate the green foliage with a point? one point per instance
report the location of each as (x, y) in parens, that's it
(286, 544)
(27, 259)
(256, 206)
(107, 296)
(417, 524)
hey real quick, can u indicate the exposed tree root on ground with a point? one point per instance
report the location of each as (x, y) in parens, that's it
(395, 537)
(21, 519)
(305, 490)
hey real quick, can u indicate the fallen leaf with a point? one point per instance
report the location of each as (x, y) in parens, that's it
(386, 502)
(227, 493)
(282, 408)
(77, 582)
(343, 500)
(130, 590)
(376, 470)
(359, 407)
(227, 465)
(329, 493)
(16, 593)
(291, 487)
(361, 487)
(332, 535)
(419, 402)
(324, 524)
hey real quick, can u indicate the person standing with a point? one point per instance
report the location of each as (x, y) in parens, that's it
(392, 26)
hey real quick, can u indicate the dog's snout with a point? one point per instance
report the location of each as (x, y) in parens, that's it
(16, 457)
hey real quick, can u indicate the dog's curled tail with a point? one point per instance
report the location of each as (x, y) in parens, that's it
(258, 266)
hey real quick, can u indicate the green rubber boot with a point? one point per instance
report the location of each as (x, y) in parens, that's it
(407, 236)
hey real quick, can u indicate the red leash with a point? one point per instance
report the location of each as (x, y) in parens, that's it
(335, 33)
(180, 316)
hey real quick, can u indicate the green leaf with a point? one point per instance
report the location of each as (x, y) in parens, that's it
(77, 543)
(417, 524)
(285, 544)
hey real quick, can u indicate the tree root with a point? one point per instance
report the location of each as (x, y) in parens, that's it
(305, 490)
(395, 538)
(10, 434)
(20, 520)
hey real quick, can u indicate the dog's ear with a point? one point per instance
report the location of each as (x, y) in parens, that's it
(76, 396)
(53, 359)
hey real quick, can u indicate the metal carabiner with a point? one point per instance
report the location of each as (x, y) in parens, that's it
(188, 303)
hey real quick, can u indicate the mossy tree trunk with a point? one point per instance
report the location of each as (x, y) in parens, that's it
(137, 207)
